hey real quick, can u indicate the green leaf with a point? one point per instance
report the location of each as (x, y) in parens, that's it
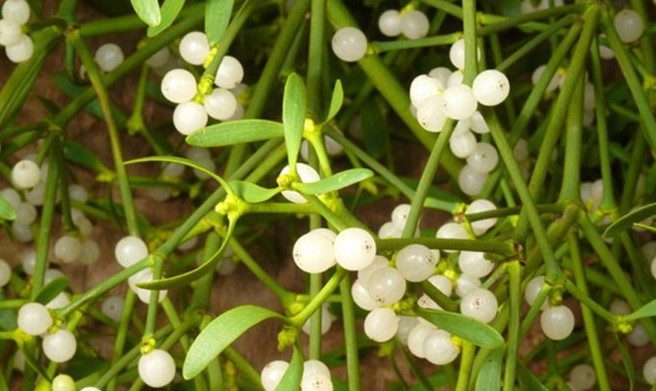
(51, 290)
(183, 161)
(220, 333)
(33, 363)
(472, 330)
(78, 153)
(250, 192)
(646, 311)
(235, 132)
(292, 377)
(293, 116)
(193, 275)
(528, 380)
(335, 182)
(627, 360)
(7, 212)
(625, 222)
(489, 377)
(217, 17)
(170, 11)
(335, 101)
(148, 11)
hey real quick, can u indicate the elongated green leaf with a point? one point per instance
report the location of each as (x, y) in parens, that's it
(292, 377)
(335, 101)
(293, 116)
(250, 192)
(627, 360)
(335, 182)
(33, 363)
(183, 161)
(217, 17)
(170, 11)
(489, 377)
(646, 311)
(7, 212)
(472, 330)
(148, 11)
(528, 380)
(220, 333)
(78, 153)
(235, 132)
(625, 222)
(193, 275)
(51, 290)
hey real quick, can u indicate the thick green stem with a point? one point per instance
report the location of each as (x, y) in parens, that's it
(515, 304)
(350, 335)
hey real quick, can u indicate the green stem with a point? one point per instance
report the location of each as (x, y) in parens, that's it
(122, 332)
(466, 361)
(502, 248)
(438, 40)
(515, 304)
(299, 319)
(573, 135)
(350, 335)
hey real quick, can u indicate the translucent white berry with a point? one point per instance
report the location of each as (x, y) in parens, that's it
(355, 249)
(109, 56)
(316, 377)
(63, 382)
(361, 296)
(5, 273)
(457, 54)
(18, 11)
(10, 32)
(22, 232)
(272, 373)
(589, 101)
(533, 289)
(349, 44)
(130, 250)
(25, 174)
(415, 24)
(112, 307)
(462, 143)
(34, 318)
(455, 78)
(68, 249)
(179, 85)
(649, 370)
(406, 324)
(20, 51)
(458, 102)
(478, 206)
(378, 263)
(521, 150)
(466, 284)
(60, 301)
(606, 53)
(491, 87)
(221, 104)
(638, 337)
(313, 252)
(484, 158)
(160, 58)
(59, 346)
(415, 262)
(230, 73)
(430, 114)
(582, 377)
(441, 74)
(307, 174)
(144, 276)
(424, 87)
(156, 368)
(417, 337)
(653, 267)
(189, 117)
(390, 23)
(381, 324)
(327, 319)
(629, 25)
(439, 349)
(385, 286)
(389, 230)
(537, 74)
(451, 231)
(442, 283)
(400, 215)
(480, 304)
(473, 263)
(194, 48)
(25, 213)
(557, 322)
(477, 123)
(619, 307)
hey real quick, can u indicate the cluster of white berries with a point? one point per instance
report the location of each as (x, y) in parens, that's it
(638, 336)
(440, 94)
(320, 249)
(306, 174)
(128, 251)
(316, 375)
(156, 368)
(413, 24)
(18, 45)
(557, 322)
(179, 86)
(58, 345)
(582, 377)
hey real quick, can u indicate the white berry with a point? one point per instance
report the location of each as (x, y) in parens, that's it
(355, 249)
(415, 262)
(458, 102)
(417, 337)
(109, 56)
(10, 32)
(439, 349)
(491, 87)
(406, 324)
(229, 74)
(649, 370)
(378, 263)
(629, 25)
(189, 117)
(390, 23)
(415, 24)
(194, 48)
(25, 174)
(533, 289)
(361, 296)
(156, 368)
(582, 377)
(68, 249)
(385, 286)
(316, 377)
(20, 51)
(478, 206)
(424, 87)
(34, 318)
(18, 11)
(557, 322)
(63, 382)
(5, 273)
(112, 307)
(349, 44)
(59, 346)
(307, 174)
(466, 284)
(430, 114)
(451, 231)
(313, 252)
(473, 263)
(272, 373)
(480, 304)
(381, 324)
(130, 250)
(484, 158)
(638, 337)
(221, 104)
(179, 86)
(462, 142)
